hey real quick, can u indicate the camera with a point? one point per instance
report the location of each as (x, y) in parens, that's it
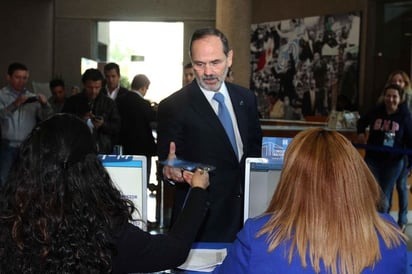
(31, 99)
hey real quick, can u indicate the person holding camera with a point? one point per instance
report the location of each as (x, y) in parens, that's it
(97, 110)
(20, 110)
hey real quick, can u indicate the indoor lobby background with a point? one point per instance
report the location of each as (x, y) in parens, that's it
(51, 36)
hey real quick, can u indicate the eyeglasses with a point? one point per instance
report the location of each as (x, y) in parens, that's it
(197, 65)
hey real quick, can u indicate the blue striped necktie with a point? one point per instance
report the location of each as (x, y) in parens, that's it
(224, 117)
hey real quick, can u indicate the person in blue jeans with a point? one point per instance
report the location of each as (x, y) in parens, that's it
(390, 131)
(403, 195)
(401, 78)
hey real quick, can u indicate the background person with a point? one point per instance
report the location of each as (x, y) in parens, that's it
(61, 213)
(229, 76)
(313, 101)
(58, 97)
(138, 119)
(112, 78)
(74, 90)
(306, 230)
(97, 110)
(20, 110)
(276, 106)
(190, 119)
(188, 75)
(390, 127)
(400, 78)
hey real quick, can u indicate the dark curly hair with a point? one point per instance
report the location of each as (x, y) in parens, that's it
(59, 208)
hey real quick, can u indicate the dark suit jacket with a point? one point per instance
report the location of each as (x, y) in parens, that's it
(121, 92)
(102, 106)
(187, 118)
(136, 117)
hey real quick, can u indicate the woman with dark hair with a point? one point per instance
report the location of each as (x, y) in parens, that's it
(61, 213)
(390, 131)
(401, 78)
(322, 218)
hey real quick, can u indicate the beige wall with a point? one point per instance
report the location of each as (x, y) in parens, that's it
(27, 37)
(142, 10)
(74, 38)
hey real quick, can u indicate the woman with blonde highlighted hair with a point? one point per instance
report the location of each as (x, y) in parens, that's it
(322, 218)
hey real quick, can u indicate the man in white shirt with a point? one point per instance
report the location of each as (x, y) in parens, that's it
(112, 79)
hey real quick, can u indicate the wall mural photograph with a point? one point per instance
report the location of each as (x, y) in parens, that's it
(306, 67)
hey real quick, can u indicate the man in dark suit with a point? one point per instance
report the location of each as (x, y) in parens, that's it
(189, 119)
(138, 118)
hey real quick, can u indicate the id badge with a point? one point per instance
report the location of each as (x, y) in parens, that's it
(389, 139)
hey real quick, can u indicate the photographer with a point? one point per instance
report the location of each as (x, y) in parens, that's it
(20, 110)
(99, 111)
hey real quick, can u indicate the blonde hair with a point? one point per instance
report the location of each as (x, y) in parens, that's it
(326, 204)
(407, 88)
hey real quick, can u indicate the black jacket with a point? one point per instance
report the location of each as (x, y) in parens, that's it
(139, 251)
(136, 127)
(101, 106)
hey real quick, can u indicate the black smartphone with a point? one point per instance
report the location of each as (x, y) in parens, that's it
(31, 99)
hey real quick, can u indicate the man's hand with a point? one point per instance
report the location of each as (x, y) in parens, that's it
(172, 173)
(97, 121)
(20, 100)
(42, 99)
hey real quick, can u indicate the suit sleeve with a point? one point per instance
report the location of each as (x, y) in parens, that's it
(255, 131)
(111, 123)
(163, 116)
(169, 127)
(148, 112)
